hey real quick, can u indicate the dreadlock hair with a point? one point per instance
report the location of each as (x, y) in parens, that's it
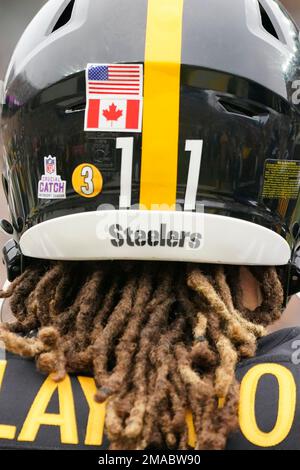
(160, 339)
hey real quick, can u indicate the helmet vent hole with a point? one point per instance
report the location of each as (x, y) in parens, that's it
(241, 108)
(65, 16)
(267, 22)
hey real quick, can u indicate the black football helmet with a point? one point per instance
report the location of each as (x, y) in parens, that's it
(159, 129)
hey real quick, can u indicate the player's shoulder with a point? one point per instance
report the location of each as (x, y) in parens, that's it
(282, 346)
(269, 404)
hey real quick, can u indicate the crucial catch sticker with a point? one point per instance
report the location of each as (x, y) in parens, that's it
(51, 186)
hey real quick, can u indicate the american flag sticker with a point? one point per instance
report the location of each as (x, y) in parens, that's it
(114, 101)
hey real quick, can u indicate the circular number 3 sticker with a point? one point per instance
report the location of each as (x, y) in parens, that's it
(87, 180)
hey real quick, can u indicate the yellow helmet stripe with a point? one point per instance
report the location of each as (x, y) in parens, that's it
(161, 103)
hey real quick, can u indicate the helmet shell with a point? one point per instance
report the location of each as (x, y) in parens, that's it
(239, 68)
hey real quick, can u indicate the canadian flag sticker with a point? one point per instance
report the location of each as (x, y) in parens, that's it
(114, 98)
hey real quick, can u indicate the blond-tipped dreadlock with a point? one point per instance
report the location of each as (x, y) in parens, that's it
(160, 339)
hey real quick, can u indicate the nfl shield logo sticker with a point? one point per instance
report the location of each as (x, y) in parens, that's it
(50, 165)
(114, 97)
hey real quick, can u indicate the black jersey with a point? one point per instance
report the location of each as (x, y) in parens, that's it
(269, 409)
(37, 413)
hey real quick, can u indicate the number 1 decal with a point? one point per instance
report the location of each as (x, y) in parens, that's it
(126, 145)
(195, 147)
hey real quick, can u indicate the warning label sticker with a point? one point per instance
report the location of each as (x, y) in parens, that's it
(281, 179)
